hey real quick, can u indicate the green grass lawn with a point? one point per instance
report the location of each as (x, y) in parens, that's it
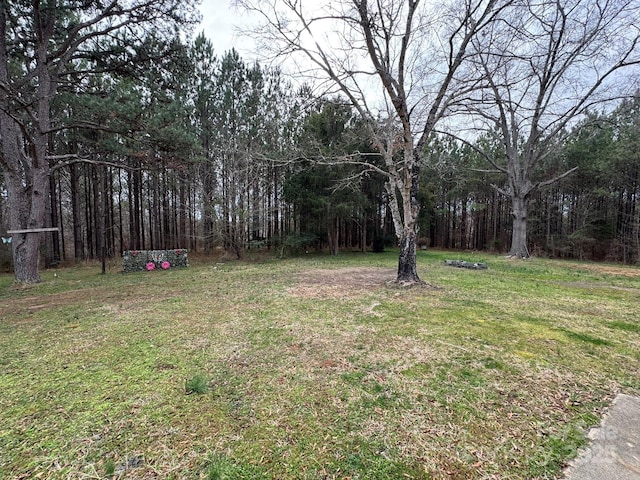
(313, 368)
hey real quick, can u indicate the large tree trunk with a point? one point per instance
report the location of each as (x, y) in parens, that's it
(407, 261)
(27, 207)
(407, 265)
(519, 233)
(25, 246)
(27, 184)
(26, 195)
(26, 172)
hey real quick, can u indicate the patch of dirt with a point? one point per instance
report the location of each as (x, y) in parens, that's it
(341, 283)
(25, 306)
(590, 285)
(20, 305)
(621, 271)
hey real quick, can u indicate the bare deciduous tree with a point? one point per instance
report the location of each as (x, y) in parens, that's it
(547, 63)
(401, 65)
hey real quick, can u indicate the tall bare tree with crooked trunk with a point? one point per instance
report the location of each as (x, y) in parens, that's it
(547, 63)
(401, 65)
(45, 45)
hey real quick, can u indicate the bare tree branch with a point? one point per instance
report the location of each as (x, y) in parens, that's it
(545, 70)
(386, 58)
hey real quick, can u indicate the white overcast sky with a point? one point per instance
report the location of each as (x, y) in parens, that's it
(219, 20)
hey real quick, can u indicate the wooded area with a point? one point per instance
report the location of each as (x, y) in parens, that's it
(142, 140)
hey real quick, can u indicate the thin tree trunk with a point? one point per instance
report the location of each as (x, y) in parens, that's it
(63, 248)
(182, 210)
(110, 233)
(120, 220)
(133, 213)
(89, 210)
(52, 244)
(363, 233)
(78, 244)
(464, 234)
(100, 214)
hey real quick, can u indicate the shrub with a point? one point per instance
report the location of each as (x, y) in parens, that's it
(197, 384)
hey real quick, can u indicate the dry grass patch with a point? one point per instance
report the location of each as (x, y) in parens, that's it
(607, 269)
(340, 282)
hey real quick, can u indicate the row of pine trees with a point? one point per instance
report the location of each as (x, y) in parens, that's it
(211, 153)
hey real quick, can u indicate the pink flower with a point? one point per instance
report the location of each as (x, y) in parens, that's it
(165, 265)
(151, 266)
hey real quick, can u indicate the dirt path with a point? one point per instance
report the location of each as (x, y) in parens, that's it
(341, 283)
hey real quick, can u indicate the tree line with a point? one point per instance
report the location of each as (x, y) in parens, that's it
(125, 136)
(592, 214)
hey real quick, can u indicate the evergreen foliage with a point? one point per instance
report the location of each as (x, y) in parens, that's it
(155, 143)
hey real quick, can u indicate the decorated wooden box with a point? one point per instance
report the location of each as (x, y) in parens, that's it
(141, 260)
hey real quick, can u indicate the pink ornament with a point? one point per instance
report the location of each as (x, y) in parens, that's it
(151, 266)
(165, 265)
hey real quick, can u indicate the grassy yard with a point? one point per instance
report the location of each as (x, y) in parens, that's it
(313, 368)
